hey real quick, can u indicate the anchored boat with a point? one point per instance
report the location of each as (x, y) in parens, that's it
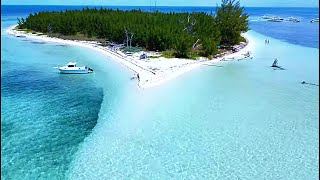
(275, 64)
(72, 68)
(266, 17)
(275, 19)
(293, 19)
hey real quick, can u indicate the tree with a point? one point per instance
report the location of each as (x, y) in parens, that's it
(231, 21)
(183, 45)
(50, 29)
(209, 47)
(19, 23)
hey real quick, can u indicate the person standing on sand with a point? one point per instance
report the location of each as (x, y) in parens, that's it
(138, 77)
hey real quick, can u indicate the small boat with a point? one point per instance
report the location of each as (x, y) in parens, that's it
(19, 35)
(275, 19)
(275, 63)
(293, 19)
(266, 17)
(314, 20)
(72, 68)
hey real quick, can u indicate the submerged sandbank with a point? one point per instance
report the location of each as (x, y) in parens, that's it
(152, 71)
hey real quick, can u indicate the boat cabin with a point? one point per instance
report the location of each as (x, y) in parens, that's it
(72, 64)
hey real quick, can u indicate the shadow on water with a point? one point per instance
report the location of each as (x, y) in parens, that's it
(306, 83)
(278, 68)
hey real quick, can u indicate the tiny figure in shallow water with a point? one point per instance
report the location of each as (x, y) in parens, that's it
(138, 77)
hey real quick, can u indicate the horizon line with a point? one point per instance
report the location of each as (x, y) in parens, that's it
(157, 6)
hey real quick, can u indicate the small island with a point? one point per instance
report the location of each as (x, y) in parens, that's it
(144, 41)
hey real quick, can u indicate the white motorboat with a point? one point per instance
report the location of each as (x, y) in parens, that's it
(72, 68)
(314, 20)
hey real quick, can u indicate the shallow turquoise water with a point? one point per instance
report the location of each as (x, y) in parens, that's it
(240, 121)
(243, 120)
(44, 114)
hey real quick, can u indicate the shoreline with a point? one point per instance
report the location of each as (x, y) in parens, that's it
(152, 71)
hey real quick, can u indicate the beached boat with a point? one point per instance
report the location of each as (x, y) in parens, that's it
(72, 68)
(314, 20)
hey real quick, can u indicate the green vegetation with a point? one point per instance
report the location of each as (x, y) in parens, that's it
(178, 34)
(132, 49)
(41, 34)
(30, 31)
(168, 53)
(231, 21)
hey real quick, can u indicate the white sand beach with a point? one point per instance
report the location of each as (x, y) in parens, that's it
(152, 71)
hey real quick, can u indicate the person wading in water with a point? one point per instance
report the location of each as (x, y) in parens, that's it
(138, 77)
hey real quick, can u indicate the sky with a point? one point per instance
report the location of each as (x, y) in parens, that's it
(246, 3)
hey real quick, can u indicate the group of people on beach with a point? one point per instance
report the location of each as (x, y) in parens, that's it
(266, 41)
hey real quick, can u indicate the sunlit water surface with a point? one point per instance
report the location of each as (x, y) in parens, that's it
(237, 120)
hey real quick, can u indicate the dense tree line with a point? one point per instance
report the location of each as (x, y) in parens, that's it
(184, 33)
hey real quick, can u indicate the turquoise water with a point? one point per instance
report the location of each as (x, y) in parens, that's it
(242, 120)
(45, 115)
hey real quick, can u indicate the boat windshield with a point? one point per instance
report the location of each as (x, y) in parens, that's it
(71, 66)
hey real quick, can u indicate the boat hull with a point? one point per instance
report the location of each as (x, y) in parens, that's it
(82, 71)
